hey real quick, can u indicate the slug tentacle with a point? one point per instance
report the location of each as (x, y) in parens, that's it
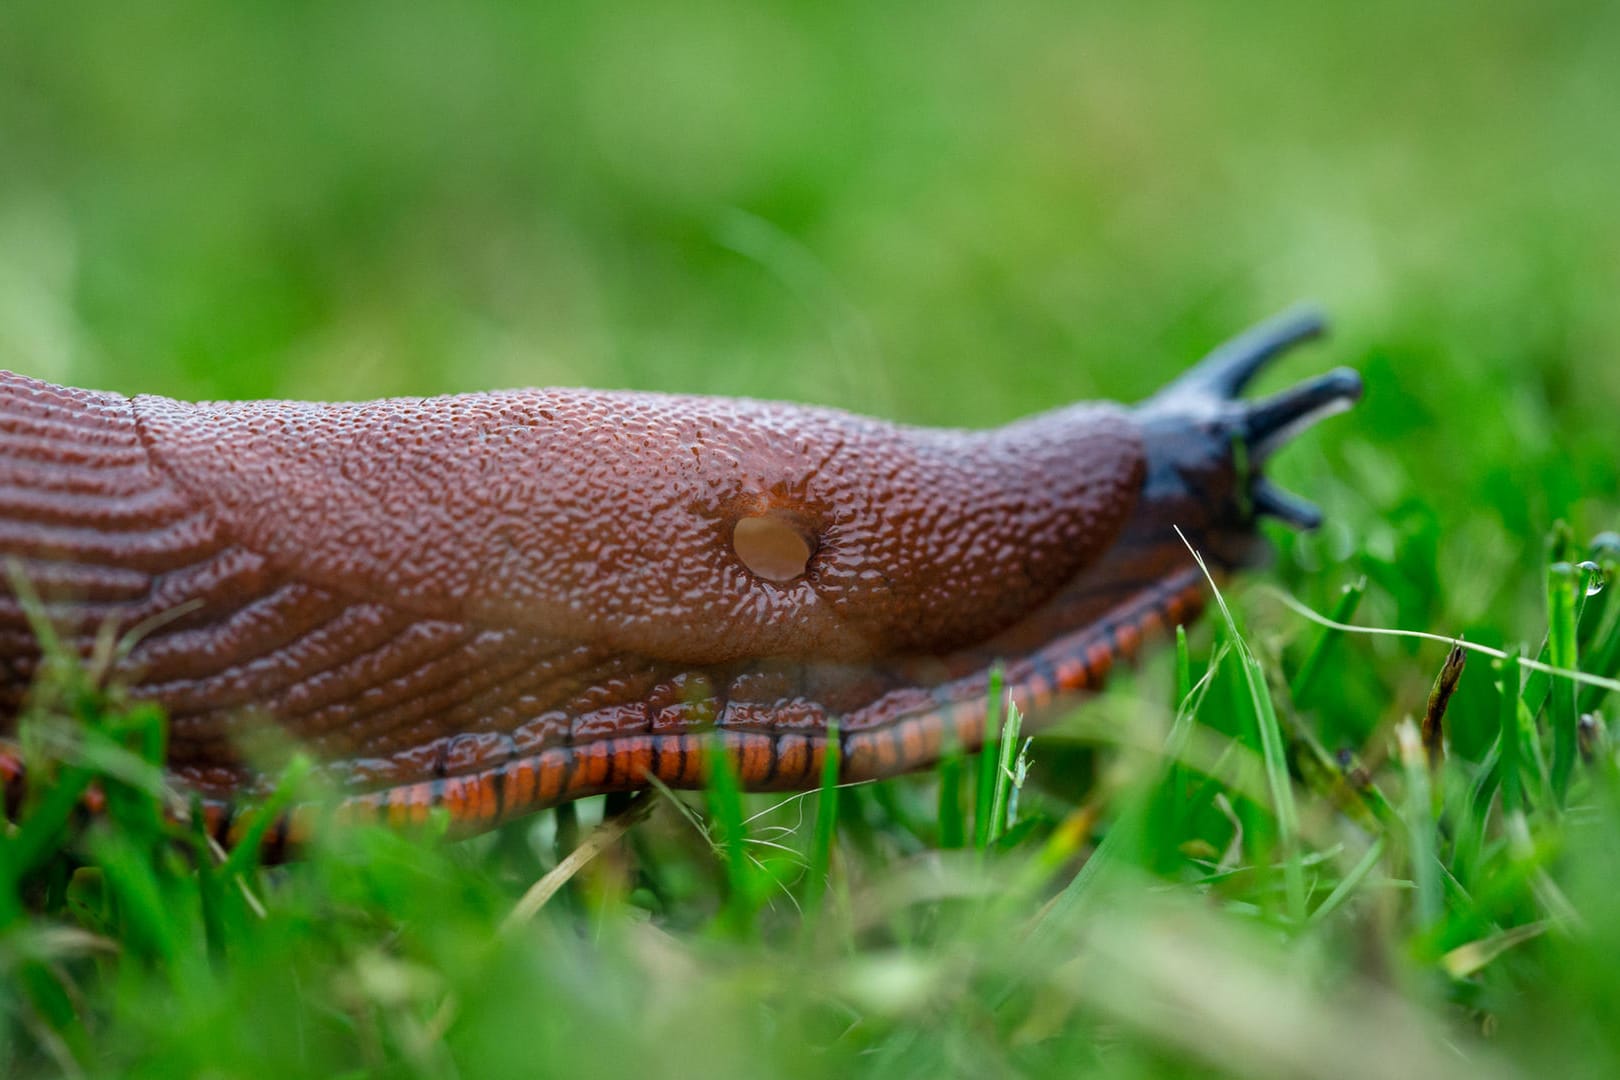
(1270, 424)
(1206, 446)
(1228, 369)
(500, 601)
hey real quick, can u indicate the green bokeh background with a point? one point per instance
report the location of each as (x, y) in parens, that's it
(944, 213)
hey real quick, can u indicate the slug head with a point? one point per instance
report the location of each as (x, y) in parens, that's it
(1206, 447)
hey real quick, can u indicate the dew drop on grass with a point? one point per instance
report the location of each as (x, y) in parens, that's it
(1595, 578)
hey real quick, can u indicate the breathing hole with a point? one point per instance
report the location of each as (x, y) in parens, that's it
(772, 548)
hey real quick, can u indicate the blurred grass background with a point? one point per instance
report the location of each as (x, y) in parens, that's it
(949, 213)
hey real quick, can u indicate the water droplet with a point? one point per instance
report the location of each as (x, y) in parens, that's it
(1595, 578)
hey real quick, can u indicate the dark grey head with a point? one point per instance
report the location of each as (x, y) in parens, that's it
(1206, 447)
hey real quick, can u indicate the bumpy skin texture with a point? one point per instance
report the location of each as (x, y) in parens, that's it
(413, 587)
(496, 602)
(606, 518)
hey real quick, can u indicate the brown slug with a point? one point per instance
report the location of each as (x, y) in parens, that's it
(497, 602)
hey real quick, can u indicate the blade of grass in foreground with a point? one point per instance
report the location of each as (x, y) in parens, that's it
(1066, 909)
(985, 790)
(952, 821)
(1510, 763)
(826, 822)
(1005, 775)
(1176, 780)
(726, 811)
(609, 832)
(1273, 751)
(1184, 681)
(244, 857)
(1563, 588)
(1502, 767)
(1344, 609)
(1128, 822)
(1421, 824)
(1351, 881)
(1603, 649)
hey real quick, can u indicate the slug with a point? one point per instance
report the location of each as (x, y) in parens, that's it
(497, 602)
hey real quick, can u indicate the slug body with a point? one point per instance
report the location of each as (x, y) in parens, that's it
(501, 601)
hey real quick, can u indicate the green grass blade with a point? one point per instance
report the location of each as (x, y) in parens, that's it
(724, 792)
(1421, 828)
(1510, 764)
(1501, 768)
(244, 857)
(1274, 755)
(1539, 683)
(821, 841)
(1310, 672)
(147, 923)
(952, 818)
(1184, 679)
(1563, 590)
(1603, 659)
(1351, 881)
(43, 829)
(1005, 774)
(1176, 776)
(1602, 651)
(985, 789)
(1277, 779)
(213, 888)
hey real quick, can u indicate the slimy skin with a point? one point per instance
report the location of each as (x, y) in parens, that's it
(501, 601)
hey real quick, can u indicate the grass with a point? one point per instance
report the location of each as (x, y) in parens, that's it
(1238, 912)
(953, 214)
